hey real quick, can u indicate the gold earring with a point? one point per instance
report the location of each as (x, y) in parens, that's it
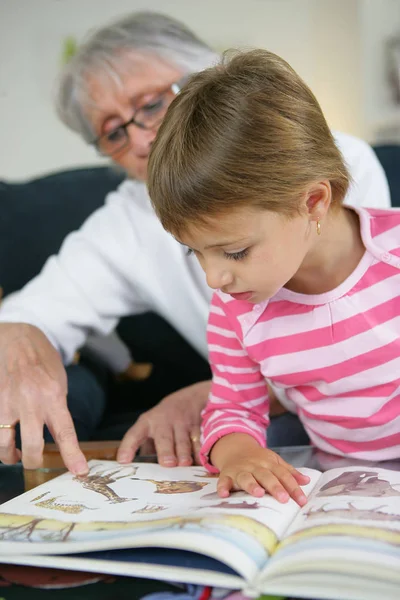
(318, 227)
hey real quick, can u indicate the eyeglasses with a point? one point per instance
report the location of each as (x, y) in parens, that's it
(146, 117)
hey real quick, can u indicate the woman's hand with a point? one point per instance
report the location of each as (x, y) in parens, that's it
(172, 428)
(33, 391)
(245, 465)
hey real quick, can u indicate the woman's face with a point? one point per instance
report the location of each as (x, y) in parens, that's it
(115, 103)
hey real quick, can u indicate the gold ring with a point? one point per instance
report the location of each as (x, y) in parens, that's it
(195, 438)
(2, 426)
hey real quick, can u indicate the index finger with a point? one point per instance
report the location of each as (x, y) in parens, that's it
(63, 432)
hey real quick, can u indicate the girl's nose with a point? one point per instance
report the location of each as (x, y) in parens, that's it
(218, 278)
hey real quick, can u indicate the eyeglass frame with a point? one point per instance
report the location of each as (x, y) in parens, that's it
(174, 87)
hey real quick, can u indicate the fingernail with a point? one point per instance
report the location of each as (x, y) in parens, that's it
(81, 468)
(168, 461)
(283, 497)
(185, 461)
(124, 457)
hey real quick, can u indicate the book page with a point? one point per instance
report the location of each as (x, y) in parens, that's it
(355, 499)
(118, 506)
(350, 528)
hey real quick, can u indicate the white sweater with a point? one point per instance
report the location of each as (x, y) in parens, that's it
(121, 262)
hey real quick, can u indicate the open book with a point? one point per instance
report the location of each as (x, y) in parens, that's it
(150, 521)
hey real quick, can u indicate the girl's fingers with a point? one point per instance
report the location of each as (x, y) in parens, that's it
(247, 482)
(299, 477)
(291, 485)
(272, 485)
(281, 480)
(224, 486)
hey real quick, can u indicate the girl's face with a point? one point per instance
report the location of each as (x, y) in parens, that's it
(114, 104)
(251, 253)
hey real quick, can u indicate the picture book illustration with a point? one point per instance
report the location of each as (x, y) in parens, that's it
(115, 501)
(353, 502)
(23, 528)
(362, 533)
(149, 509)
(55, 503)
(174, 487)
(238, 505)
(99, 481)
(359, 483)
(353, 513)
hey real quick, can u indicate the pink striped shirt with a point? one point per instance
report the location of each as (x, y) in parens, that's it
(335, 356)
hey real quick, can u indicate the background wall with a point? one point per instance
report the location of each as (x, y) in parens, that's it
(336, 45)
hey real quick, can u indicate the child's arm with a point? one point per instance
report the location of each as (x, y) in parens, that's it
(244, 464)
(235, 419)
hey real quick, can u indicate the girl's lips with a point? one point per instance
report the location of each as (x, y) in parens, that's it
(242, 295)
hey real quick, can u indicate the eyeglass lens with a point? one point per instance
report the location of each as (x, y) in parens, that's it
(148, 116)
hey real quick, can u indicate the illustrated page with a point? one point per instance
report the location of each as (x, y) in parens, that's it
(114, 500)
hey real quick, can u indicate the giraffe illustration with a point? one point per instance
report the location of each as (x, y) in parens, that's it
(100, 481)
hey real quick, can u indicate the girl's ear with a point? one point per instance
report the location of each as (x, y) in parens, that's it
(318, 199)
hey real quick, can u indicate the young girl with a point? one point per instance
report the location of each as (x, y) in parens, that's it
(245, 173)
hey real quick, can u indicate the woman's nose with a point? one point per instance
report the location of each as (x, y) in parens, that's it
(141, 139)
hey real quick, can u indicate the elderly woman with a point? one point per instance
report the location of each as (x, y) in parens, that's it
(114, 93)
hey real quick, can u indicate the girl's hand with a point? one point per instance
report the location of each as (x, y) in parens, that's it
(257, 470)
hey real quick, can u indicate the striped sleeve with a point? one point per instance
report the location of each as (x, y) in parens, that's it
(238, 399)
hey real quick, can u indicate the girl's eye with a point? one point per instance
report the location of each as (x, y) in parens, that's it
(237, 255)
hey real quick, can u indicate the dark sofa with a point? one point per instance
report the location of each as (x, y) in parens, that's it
(389, 156)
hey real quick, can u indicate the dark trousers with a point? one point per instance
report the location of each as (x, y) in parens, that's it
(117, 405)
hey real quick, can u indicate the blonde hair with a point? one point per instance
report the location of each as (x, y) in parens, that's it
(248, 131)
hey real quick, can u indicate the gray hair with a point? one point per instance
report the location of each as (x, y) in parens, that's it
(139, 33)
